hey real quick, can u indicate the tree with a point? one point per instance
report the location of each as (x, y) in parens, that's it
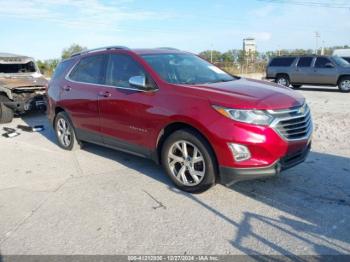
(47, 66)
(208, 54)
(74, 48)
(228, 57)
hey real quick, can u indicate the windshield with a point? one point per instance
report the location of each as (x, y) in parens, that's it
(17, 68)
(340, 61)
(185, 69)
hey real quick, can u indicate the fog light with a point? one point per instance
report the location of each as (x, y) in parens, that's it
(240, 152)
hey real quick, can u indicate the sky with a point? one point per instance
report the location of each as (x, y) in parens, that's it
(43, 28)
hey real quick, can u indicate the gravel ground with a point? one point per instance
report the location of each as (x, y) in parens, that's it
(99, 201)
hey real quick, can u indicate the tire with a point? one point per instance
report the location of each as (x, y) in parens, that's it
(344, 84)
(6, 114)
(197, 176)
(65, 132)
(283, 80)
(296, 86)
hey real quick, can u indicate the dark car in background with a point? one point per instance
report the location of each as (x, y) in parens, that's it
(310, 70)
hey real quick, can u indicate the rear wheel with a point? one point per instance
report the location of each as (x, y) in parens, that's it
(296, 86)
(189, 161)
(65, 132)
(6, 113)
(344, 84)
(283, 80)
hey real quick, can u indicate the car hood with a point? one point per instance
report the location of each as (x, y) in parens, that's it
(250, 94)
(15, 81)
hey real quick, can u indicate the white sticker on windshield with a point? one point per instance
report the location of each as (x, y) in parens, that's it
(216, 70)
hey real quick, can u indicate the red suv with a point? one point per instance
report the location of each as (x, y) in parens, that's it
(202, 124)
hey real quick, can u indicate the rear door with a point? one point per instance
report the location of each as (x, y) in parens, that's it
(302, 71)
(324, 72)
(280, 65)
(79, 96)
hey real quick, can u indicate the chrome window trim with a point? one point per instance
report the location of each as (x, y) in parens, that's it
(102, 85)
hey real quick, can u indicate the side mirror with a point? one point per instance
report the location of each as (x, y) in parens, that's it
(329, 65)
(138, 81)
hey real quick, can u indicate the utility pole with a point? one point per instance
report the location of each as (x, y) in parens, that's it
(323, 47)
(233, 58)
(211, 54)
(317, 36)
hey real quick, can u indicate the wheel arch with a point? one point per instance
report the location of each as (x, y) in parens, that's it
(6, 92)
(341, 76)
(57, 110)
(282, 74)
(178, 125)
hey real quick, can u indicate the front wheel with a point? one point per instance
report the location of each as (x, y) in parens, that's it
(65, 132)
(189, 161)
(344, 84)
(6, 114)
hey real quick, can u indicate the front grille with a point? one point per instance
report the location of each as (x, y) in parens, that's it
(293, 124)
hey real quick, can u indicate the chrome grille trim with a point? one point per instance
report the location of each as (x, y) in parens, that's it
(293, 124)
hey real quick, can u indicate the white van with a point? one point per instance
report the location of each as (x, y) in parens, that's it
(344, 53)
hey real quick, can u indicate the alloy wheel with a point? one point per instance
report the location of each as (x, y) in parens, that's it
(345, 85)
(186, 163)
(282, 81)
(63, 132)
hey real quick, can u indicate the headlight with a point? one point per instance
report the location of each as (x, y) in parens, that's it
(256, 117)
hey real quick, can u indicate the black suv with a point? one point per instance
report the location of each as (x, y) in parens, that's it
(310, 70)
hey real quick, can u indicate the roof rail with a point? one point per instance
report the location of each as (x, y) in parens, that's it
(99, 49)
(168, 48)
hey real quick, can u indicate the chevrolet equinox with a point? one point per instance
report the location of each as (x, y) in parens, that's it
(203, 125)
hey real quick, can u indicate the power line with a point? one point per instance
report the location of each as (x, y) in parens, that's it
(331, 4)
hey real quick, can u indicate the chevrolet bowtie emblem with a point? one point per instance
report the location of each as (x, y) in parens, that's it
(301, 110)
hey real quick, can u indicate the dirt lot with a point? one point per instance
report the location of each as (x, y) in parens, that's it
(99, 201)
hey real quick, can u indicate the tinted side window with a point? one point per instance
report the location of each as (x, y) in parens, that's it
(89, 70)
(120, 68)
(61, 69)
(305, 61)
(321, 62)
(282, 61)
(347, 59)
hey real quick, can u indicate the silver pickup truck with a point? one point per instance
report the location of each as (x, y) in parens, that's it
(22, 86)
(310, 70)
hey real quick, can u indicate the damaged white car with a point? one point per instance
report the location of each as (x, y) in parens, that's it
(22, 86)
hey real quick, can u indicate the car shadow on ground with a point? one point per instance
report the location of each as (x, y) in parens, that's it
(34, 118)
(290, 193)
(314, 197)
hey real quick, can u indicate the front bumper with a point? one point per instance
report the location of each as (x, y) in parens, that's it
(229, 175)
(19, 106)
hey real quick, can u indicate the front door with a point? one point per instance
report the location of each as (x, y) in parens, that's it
(324, 72)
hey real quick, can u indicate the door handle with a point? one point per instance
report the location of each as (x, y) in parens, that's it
(105, 94)
(67, 88)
